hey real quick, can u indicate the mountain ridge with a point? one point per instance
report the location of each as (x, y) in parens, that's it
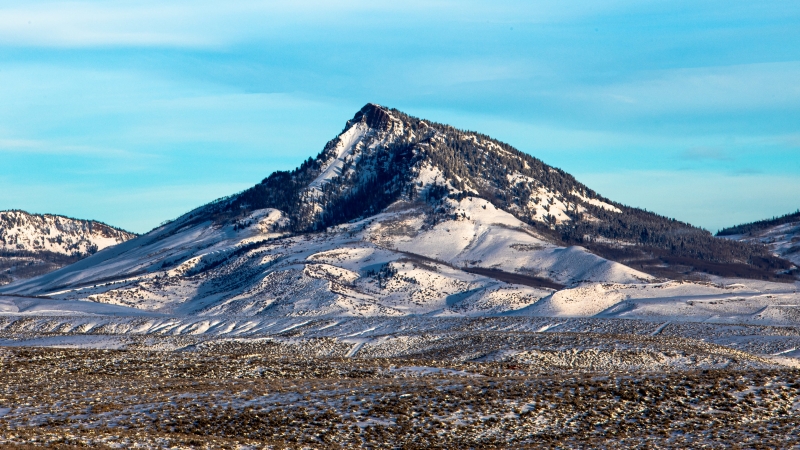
(759, 225)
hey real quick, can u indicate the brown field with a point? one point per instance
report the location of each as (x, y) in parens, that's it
(67, 398)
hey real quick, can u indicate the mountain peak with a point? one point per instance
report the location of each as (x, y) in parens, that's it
(455, 221)
(374, 115)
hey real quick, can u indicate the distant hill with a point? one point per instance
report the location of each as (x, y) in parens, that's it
(760, 225)
(780, 234)
(34, 244)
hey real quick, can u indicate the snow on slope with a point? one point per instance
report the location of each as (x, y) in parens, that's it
(481, 235)
(721, 301)
(783, 240)
(220, 271)
(392, 264)
(170, 245)
(31, 306)
(347, 149)
(370, 267)
(21, 231)
(33, 244)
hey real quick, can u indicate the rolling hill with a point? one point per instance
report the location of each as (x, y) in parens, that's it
(34, 244)
(780, 234)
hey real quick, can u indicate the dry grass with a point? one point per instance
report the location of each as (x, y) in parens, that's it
(123, 399)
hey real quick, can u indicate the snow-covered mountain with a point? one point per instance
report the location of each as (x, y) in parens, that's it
(384, 156)
(400, 216)
(780, 234)
(32, 244)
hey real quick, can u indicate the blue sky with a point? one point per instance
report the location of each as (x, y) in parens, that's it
(135, 112)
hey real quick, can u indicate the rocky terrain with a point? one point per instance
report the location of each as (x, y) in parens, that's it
(274, 398)
(35, 244)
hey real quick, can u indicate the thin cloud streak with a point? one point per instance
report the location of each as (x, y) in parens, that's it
(54, 148)
(707, 89)
(706, 153)
(209, 24)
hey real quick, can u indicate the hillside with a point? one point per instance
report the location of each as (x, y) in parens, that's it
(34, 244)
(780, 234)
(760, 225)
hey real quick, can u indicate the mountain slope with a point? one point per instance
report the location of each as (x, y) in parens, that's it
(389, 264)
(32, 244)
(398, 216)
(780, 234)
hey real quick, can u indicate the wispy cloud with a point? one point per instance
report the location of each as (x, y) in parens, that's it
(204, 23)
(791, 141)
(32, 146)
(705, 154)
(707, 89)
(100, 24)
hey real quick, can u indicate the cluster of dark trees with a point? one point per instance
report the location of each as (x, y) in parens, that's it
(386, 273)
(755, 227)
(22, 264)
(674, 237)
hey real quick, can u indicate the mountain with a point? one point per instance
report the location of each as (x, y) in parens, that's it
(34, 244)
(384, 156)
(400, 216)
(780, 234)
